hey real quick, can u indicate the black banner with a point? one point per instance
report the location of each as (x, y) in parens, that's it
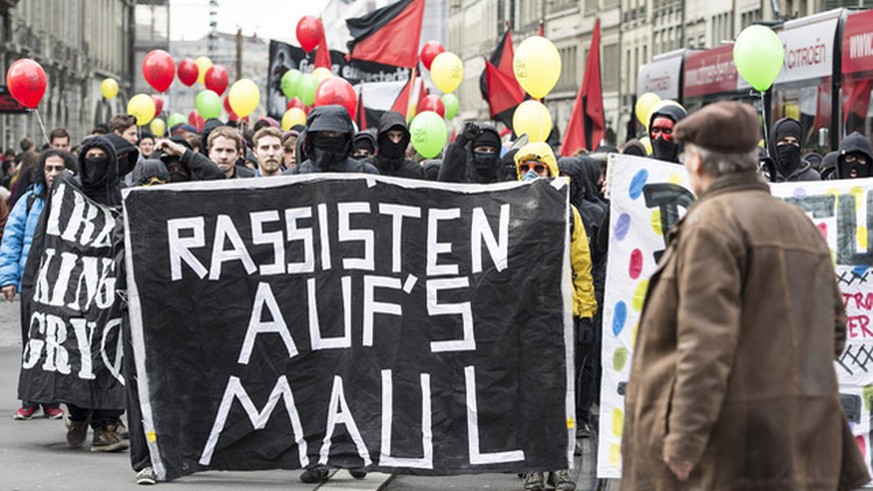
(8, 104)
(284, 57)
(351, 321)
(69, 308)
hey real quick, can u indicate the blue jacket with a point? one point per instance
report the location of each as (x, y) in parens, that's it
(18, 235)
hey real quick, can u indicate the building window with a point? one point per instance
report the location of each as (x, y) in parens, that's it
(569, 60)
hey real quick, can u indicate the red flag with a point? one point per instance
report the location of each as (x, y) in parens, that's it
(362, 112)
(504, 91)
(388, 35)
(540, 29)
(587, 123)
(401, 104)
(422, 94)
(322, 54)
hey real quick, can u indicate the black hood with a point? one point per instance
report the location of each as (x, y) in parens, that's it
(329, 118)
(662, 149)
(208, 126)
(153, 168)
(390, 156)
(780, 129)
(571, 166)
(365, 138)
(854, 143)
(125, 152)
(591, 167)
(829, 165)
(100, 183)
(487, 135)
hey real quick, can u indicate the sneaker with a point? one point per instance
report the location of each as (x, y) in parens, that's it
(52, 412)
(583, 431)
(76, 433)
(25, 412)
(121, 430)
(146, 476)
(316, 474)
(563, 481)
(106, 440)
(358, 473)
(533, 481)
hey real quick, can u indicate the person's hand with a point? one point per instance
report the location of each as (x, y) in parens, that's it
(471, 130)
(681, 468)
(9, 292)
(171, 147)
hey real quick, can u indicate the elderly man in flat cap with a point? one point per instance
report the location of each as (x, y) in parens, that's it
(732, 385)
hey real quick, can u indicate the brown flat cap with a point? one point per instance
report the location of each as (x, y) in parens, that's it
(726, 127)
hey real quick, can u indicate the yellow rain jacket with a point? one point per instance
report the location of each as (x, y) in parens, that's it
(584, 303)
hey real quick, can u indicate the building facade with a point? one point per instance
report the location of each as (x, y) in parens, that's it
(633, 33)
(78, 43)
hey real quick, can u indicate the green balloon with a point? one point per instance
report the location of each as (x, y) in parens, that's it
(176, 119)
(428, 134)
(452, 104)
(208, 104)
(758, 55)
(306, 89)
(291, 83)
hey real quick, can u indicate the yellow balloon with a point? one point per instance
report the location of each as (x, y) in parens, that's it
(158, 127)
(203, 65)
(537, 66)
(647, 144)
(531, 118)
(109, 88)
(244, 97)
(447, 72)
(644, 107)
(321, 74)
(293, 116)
(142, 107)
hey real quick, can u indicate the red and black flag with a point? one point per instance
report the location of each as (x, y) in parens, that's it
(389, 35)
(587, 123)
(322, 53)
(498, 84)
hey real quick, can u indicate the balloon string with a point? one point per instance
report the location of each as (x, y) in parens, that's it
(42, 126)
(764, 123)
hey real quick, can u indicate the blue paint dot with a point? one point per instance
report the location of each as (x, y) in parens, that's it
(637, 183)
(619, 317)
(859, 270)
(800, 193)
(622, 225)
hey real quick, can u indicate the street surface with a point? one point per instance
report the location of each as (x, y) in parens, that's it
(34, 455)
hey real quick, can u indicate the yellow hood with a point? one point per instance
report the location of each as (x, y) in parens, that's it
(542, 152)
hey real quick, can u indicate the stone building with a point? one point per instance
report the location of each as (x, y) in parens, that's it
(78, 43)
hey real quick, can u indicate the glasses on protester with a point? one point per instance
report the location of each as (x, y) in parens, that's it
(537, 167)
(153, 181)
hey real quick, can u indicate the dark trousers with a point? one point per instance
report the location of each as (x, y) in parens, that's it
(99, 417)
(139, 450)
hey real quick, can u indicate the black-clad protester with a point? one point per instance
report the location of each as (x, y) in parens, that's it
(661, 123)
(364, 145)
(391, 144)
(854, 157)
(785, 140)
(474, 156)
(829, 166)
(183, 164)
(327, 142)
(634, 147)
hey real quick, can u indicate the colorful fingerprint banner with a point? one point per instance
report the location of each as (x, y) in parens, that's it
(647, 198)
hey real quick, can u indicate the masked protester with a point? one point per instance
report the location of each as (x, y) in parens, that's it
(661, 123)
(364, 145)
(154, 173)
(854, 157)
(328, 143)
(786, 138)
(537, 161)
(474, 156)
(391, 144)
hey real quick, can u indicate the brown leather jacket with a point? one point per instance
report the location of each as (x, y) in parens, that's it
(733, 366)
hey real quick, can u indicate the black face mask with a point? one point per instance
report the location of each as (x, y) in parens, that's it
(391, 150)
(485, 161)
(861, 169)
(788, 158)
(664, 150)
(329, 151)
(94, 169)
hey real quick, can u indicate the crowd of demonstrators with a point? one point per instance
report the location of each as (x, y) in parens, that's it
(119, 154)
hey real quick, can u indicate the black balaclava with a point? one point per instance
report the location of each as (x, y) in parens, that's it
(486, 164)
(507, 164)
(391, 156)
(99, 175)
(328, 151)
(785, 157)
(858, 147)
(666, 149)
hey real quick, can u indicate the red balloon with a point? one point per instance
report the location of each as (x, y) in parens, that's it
(336, 90)
(159, 104)
(432, 103)
(429, 51)
(26, 81)
(229, 110)
(196, 120)
(216, 79)
(295, 102)
(309, 32)
(158, 69)
(188, 72)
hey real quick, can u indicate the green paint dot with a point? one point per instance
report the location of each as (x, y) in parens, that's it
(619, 358)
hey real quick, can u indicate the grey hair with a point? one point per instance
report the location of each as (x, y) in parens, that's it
(717, 164)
